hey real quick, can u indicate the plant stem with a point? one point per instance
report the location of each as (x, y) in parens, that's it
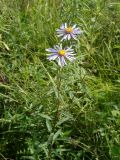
(58, 90)
(57, 114)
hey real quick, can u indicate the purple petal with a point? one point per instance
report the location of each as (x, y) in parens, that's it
(62, 26)
(51, 50)
(70, 53)
(61, 61)
(74, 26)
(77, 31)
(60, 35)
(58, 47)
(69, 36)
(69, 50)
(52, 56)
(65, 37)
(73, 36)
(65, 25)
(70, 58)
(60, 31)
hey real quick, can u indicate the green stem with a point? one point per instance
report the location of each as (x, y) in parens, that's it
(57, 113)
(58, 90)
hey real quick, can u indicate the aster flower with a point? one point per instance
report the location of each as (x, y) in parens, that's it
(61, 54)
(68, 32)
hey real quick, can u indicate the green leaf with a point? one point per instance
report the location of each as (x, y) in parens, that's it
(45, 116)
(115, 113)
(62, 121)
(50, 139)
(56, 135)
(48, 124)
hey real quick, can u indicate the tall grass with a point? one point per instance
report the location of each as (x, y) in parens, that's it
(88, 126)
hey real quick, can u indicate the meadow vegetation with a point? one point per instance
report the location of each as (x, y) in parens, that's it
(88, 125)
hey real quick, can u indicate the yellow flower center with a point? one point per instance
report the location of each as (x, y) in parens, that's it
(69, 29)
(61, 52)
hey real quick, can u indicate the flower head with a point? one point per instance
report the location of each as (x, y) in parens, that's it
(61, 54)
(68, 32)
